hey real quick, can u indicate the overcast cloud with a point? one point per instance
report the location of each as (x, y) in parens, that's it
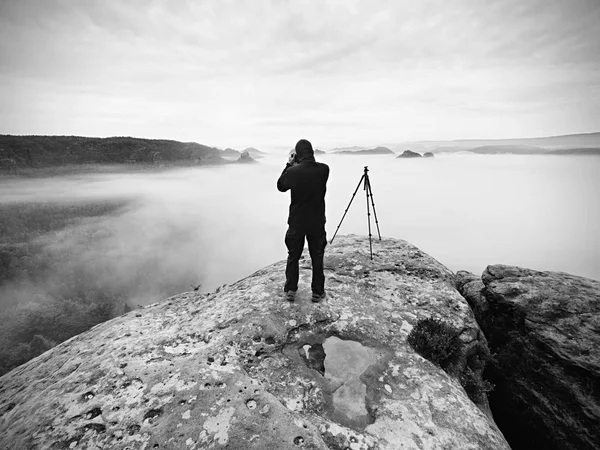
(265, 73)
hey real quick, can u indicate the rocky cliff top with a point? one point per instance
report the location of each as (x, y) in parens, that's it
(544, 329)
(240, 368)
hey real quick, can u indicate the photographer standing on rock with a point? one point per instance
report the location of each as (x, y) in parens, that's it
(307, 180)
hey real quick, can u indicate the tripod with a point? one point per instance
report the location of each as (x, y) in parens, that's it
(369, 192)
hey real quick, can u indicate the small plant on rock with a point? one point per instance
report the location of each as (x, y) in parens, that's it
(440, 343)
(475, 387)
(436, 341)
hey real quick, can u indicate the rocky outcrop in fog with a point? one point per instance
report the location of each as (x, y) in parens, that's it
(409, 154)
(241, 368)
(245, 158)
(544, 328)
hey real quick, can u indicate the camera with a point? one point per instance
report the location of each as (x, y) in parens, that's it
(293, 159)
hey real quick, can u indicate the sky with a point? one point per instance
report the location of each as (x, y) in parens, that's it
(266, 73)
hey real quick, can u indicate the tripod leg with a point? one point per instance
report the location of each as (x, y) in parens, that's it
(368, 215)
(373, 203)
(347, 208)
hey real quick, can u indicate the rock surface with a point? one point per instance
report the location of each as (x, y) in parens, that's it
(241, 368)
(545, 330)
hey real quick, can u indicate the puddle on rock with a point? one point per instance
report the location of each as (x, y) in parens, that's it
(344, 363)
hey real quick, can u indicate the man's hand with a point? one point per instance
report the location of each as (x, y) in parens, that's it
(291, 159)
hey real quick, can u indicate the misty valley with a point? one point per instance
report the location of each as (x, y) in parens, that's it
(82, 246)
(300, 224)
(61, 272)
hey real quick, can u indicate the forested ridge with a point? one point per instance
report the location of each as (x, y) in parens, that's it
(49, 151)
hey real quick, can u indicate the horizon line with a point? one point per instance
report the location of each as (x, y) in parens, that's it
(282, 145)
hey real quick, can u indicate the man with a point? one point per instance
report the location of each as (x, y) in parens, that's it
(307, 180)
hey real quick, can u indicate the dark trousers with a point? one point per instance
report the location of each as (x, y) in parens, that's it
(317, 241)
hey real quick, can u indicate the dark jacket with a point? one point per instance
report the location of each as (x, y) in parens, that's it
(308, 182)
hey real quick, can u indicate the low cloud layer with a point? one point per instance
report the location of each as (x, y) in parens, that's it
(212, 226)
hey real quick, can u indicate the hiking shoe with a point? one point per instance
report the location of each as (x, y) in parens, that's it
(290, 296)
(316, 298)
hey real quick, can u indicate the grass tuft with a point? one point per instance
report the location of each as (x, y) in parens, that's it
(436, 341)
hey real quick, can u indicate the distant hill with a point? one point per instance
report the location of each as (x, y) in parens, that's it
(448, 149)
(230, 153)
(577, 151)
(508, 149)
(347, 149)
(254, 150)
(372, 151)
(233, 154)
(255, 153)
(568, 141)
(48, 151)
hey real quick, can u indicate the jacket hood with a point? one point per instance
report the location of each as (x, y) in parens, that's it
(304, 150)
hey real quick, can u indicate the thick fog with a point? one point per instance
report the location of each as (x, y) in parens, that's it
(215, 225)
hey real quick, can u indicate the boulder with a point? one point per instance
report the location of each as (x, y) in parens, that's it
(409, 154)
(241, 368)
(544, 328)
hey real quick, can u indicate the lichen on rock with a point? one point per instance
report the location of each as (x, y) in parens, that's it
(242, 368)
